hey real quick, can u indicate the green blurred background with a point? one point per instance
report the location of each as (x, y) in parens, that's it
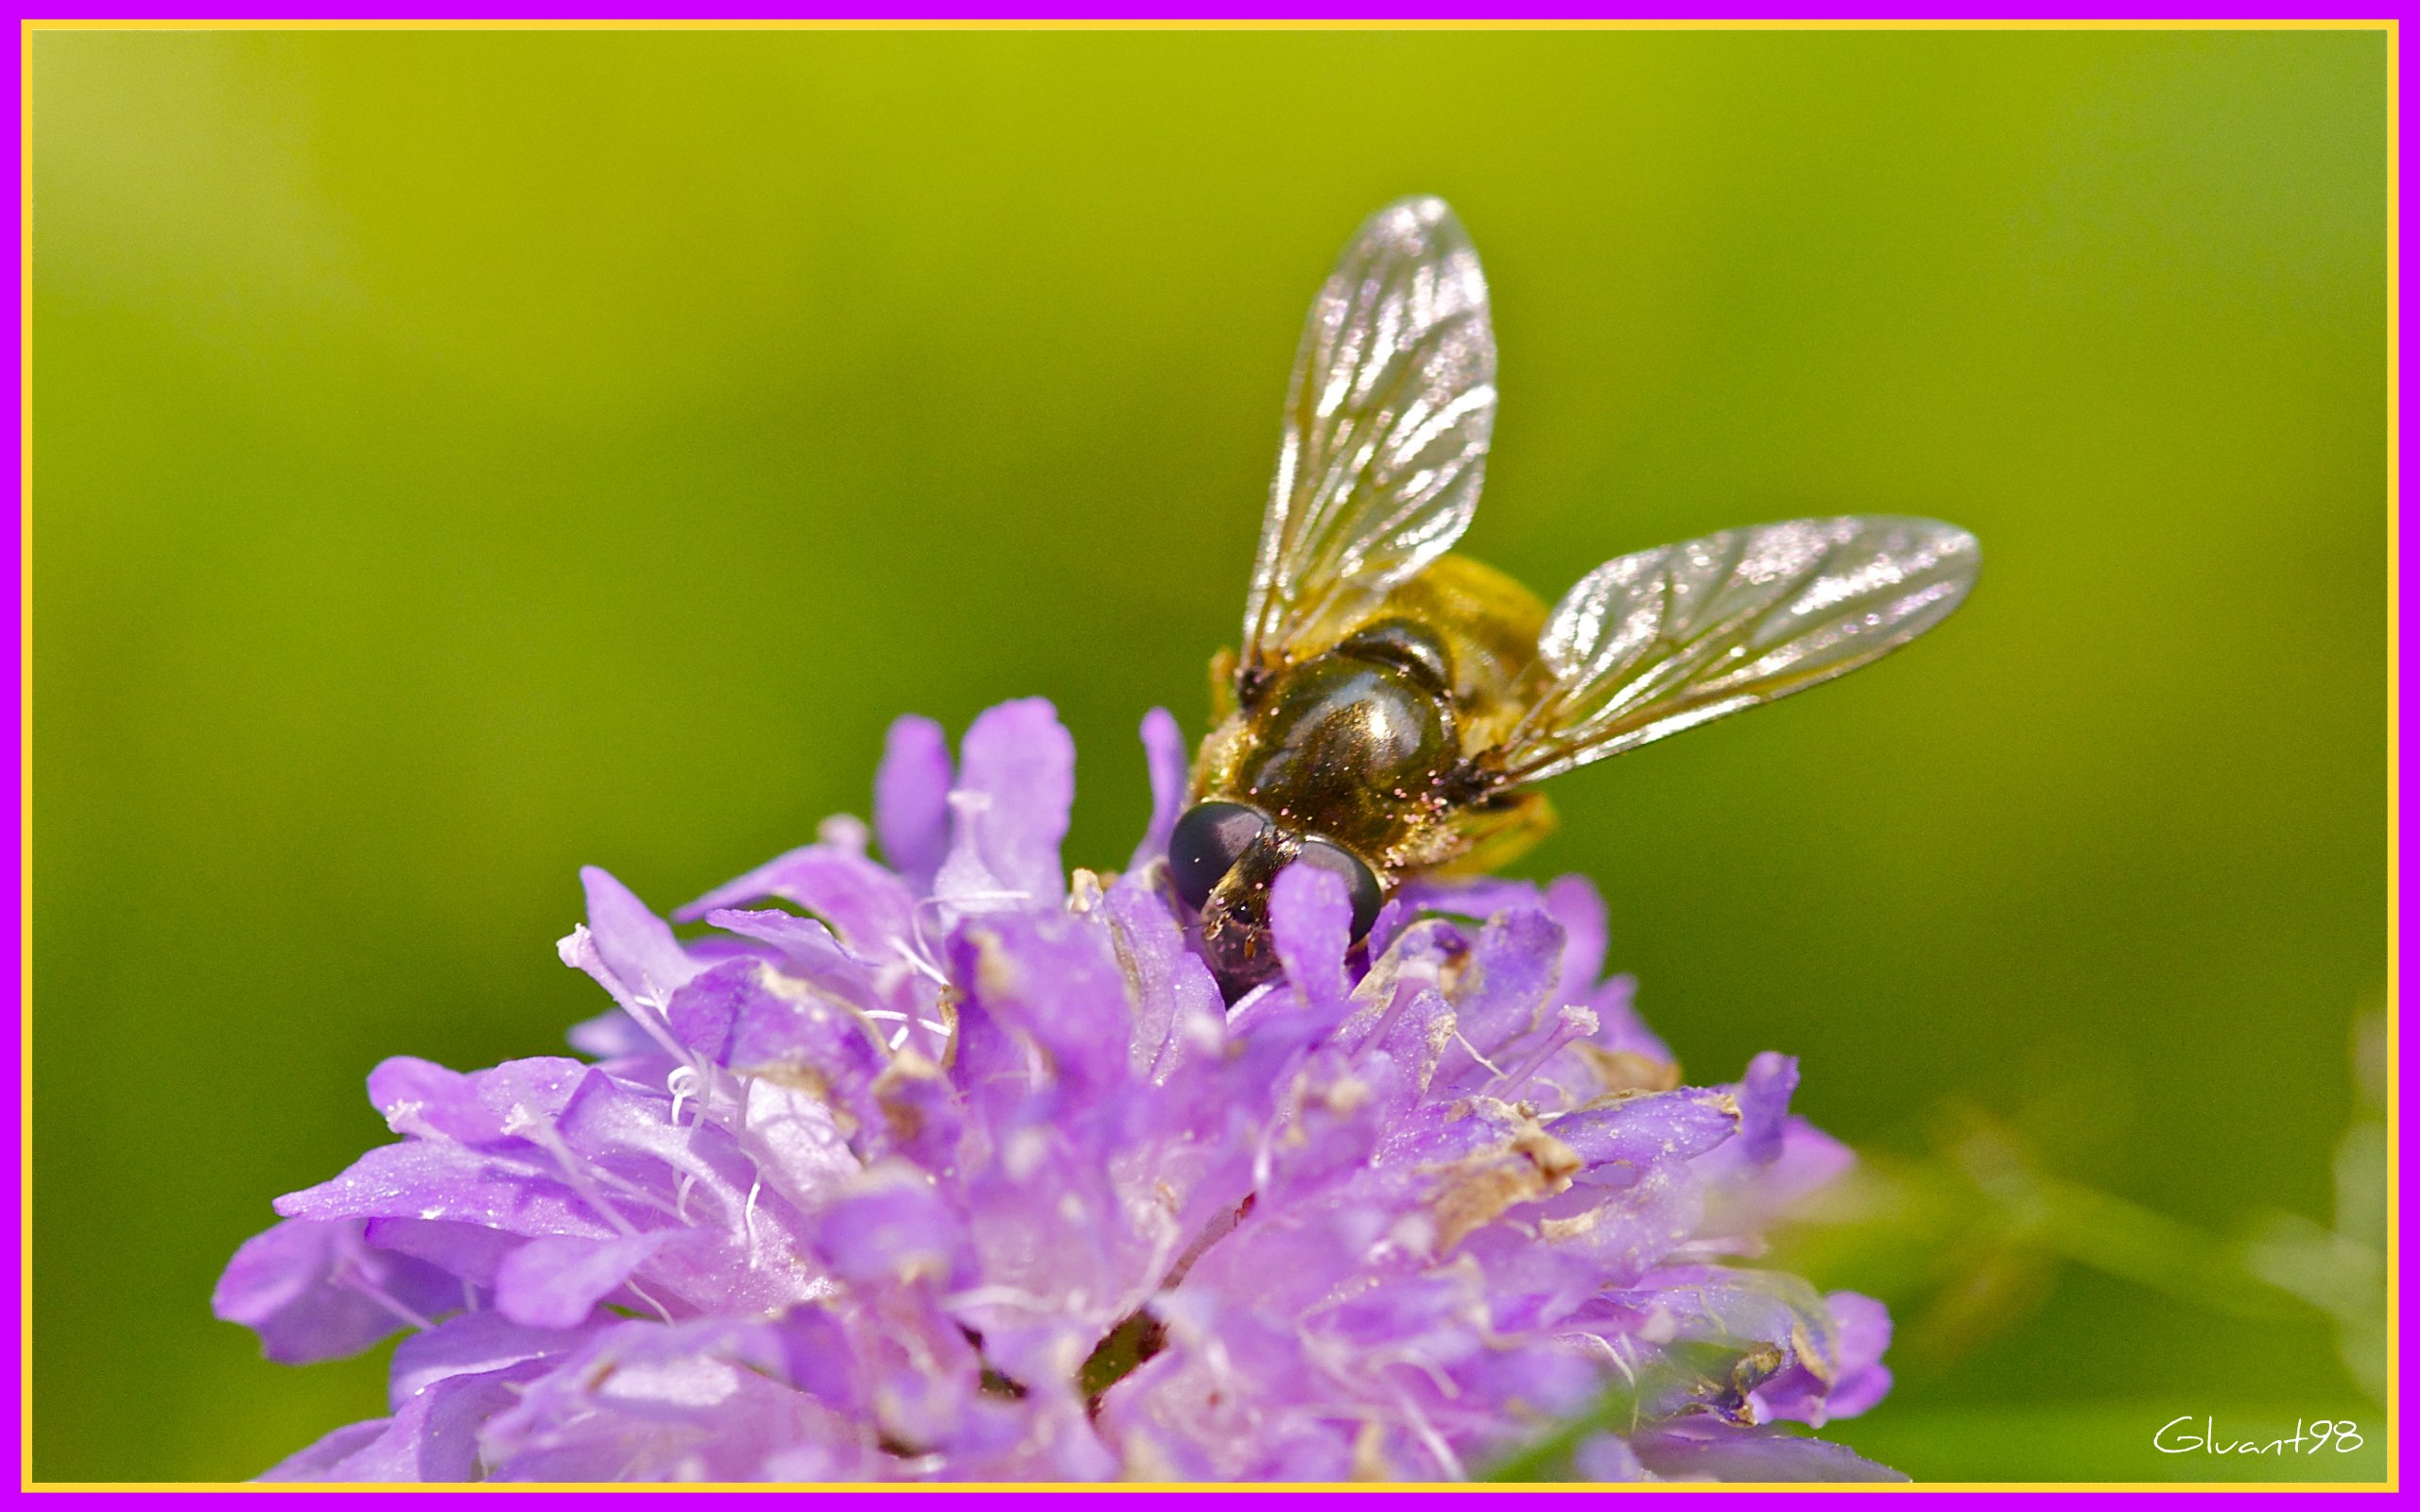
(461, 457)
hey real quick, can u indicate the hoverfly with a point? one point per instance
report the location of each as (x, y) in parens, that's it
(1394, 703)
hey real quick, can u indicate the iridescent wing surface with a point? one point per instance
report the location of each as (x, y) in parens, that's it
(1657, 641)
(1387, 423)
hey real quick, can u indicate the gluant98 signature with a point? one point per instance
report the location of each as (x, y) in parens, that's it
(2187, 1435)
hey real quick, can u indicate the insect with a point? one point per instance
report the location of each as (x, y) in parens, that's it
(1393, 704)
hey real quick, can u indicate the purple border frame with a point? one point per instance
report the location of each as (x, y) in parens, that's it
(2405, 615)
(1212, 13)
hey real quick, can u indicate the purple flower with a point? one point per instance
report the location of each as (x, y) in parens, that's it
(954, 1168)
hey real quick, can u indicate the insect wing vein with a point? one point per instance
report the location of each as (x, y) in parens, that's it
(1662, 641)
(1387, 416)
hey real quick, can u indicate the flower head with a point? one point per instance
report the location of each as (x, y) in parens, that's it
(951, 1168)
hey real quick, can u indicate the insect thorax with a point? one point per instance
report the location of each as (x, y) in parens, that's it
(1341, 745)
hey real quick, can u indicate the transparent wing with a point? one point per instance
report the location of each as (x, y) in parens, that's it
(1651, 643)
(1387, 421)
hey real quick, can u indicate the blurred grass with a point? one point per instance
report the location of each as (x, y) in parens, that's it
(461, 457)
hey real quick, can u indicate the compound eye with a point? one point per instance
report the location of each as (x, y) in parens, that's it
(1360, 883)
(1205, 845)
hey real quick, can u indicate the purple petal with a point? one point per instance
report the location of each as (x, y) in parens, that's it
(463, 1250)
(1764, 1101)
(921, 1114)
(809, 949)
(473, 1344)
(1864, 1334)
(1178, 1009)
(802, 1036)
(1415, 1041)
(1619, 1143)
(1619, 1027)
(1311, 918)
(701, 1400)
(1747, 1198)
(897, 1228)
(1023, 762)
(1707, 1451)
(1058, 1260)
(555, 1283)
(317, 1291)
(421, 1178)
(319, 1462)
(913, 1360)
(1164, 751)
(792, 1137)
(636, 946)
(610, 1036)
(1416, 960)
(1607, 1457)
(1046, 1010)
(424, 1098)
(1574, 903)
(1480, 897)
(912, 798)
(817, 1359)
(433, 1437)
(1334, 1127)
(701, 1013)
(872, 911)
(1394, 916)
(1504, 991)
